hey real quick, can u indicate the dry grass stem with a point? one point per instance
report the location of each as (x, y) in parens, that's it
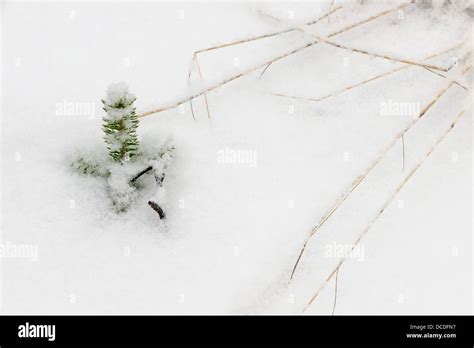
(264, 36)
(205, 94)
(367, 171)
(326, 40)
(403, 153)
(335, 293)
(248, 71)
(345, 89)
(192, 109)
(386, 204)
(458, 82)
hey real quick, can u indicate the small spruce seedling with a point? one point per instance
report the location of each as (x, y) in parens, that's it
(120, 123)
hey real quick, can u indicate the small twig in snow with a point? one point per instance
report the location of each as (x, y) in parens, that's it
(144, 171)
(158, 209)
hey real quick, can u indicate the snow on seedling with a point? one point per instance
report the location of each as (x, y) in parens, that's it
(121, 123)
(122, 170)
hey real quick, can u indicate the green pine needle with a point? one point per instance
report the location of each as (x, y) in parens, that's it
(121, 133)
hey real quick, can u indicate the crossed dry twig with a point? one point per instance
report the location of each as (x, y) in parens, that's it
(345, 89)
(386, 204)
(459, 82)
(275, 59)
(326, 40)
(195, 60)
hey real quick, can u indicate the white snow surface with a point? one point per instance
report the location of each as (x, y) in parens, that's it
(244, 187)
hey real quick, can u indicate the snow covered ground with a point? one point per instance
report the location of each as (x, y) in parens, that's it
(248, 184)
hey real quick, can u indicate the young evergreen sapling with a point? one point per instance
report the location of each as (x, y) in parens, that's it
(120, 123)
